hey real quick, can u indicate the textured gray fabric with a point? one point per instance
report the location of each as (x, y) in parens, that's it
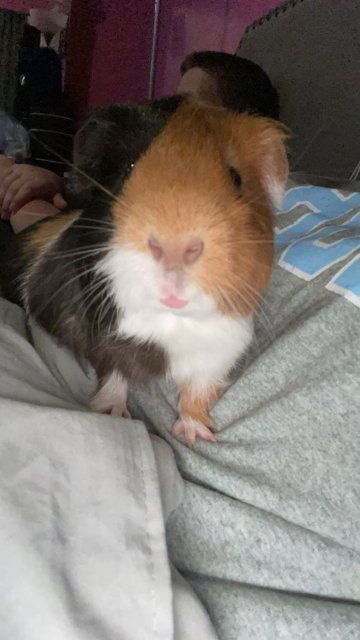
(83, 498)
(269, 531)
(311, 51)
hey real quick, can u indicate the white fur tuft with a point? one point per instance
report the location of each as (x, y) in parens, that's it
(276, 191)
(112, 395)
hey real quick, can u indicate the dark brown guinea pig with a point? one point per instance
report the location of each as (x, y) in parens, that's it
(163, 268)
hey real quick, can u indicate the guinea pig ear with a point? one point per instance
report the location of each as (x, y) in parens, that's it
(257, 150)
(90, 145)
(200, 85)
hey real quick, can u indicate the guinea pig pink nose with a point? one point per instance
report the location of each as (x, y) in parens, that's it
(175, 255)
(193, 250)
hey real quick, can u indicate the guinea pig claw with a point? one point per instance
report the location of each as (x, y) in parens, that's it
(192, 429)
(119, 411)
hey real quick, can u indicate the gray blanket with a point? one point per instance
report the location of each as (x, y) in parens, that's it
(83, 501)
(269, 531)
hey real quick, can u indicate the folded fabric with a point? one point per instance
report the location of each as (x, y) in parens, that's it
(268, 532)
(83, 498)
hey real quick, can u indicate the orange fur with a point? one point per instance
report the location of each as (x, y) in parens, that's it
(197, 406)
(181, 188)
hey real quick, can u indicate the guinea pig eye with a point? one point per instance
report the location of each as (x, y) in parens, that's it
(235, 177)
(128, 169)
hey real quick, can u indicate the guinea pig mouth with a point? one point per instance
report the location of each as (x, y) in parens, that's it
(173, 302)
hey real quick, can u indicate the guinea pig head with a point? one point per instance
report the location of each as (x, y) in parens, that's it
(194, 222)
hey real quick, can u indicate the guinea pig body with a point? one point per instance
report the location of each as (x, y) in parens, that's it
(164, 276)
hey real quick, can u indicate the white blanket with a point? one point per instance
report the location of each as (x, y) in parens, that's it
(83, 499)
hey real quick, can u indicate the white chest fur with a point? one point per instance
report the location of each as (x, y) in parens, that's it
(202, 345)
(200, 351)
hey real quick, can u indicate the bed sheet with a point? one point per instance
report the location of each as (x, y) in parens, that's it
(83, 500)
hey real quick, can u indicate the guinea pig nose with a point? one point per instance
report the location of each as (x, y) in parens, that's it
(155, 248)
(193, 251)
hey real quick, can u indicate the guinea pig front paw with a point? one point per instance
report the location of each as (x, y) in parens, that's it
(120, 411)
(111, 396)
(192, 429)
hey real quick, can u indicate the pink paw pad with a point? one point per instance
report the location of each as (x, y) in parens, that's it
(115, 410)
(192, 429)
(120, 411)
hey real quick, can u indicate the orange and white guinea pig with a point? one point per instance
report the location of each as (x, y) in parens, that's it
(162, 269)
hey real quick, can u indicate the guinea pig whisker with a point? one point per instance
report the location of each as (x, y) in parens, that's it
(77, 252)
(91, 245)
(64, 286)
(100, 295)
(254, 294)
(251, 298)
(337, 178)
(235, 310)
(314, 137)
(112, 329)
(101, 312)
(250, 241)
(89, 228)
(92, 220)
(98, 224)
(94, 283)
(263, 316)
(100, 221)
(251, 263)
(77, 259)
(244, 299)
(79, 297)
(88, 294)
(265, 323)
(104, 307)
(73, 166)
(90, 291)
(247, 299)
(250, 289)
(255, 199)
(112, 323)
(223, 295)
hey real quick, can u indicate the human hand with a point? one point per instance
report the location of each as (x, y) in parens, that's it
(5, 164)
(22, 183)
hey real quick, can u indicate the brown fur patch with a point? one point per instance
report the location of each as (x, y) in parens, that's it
(182, 187)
